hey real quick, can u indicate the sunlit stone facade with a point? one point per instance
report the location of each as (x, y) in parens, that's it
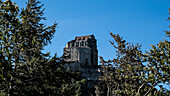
(82, 50)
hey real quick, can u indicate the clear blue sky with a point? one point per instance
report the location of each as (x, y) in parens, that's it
(138, 21)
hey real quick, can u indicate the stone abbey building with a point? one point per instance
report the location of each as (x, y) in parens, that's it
(82, 50)
(81, 54)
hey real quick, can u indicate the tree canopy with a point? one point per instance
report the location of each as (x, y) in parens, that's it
(24, 69)
(134, 72)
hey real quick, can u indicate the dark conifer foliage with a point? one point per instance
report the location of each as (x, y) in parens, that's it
(24, 69)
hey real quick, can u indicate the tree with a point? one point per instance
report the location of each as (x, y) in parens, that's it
(158, 59)
(121, 75)
(134, 72)
(24, 69)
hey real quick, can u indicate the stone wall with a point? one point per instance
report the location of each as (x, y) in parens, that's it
(83, 50)
(81, 55)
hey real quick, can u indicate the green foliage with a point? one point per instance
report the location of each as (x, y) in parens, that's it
(121, 75)
(136, 73)
(24, 69)
(128, 74)
(158, 63)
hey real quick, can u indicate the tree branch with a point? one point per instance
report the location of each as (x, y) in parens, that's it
(140, 88)
(150, 89)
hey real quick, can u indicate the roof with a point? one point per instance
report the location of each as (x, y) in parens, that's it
(85, 37)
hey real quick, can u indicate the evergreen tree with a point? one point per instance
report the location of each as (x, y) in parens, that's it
(128, 74)
(158, 63)
(134, 72)
(24, 69)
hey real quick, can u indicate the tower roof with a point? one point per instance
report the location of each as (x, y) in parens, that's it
(84, 37)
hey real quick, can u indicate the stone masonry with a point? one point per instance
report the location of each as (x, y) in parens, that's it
(81, 54)
(82, 50)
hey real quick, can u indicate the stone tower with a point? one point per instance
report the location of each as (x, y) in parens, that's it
(82, 50)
